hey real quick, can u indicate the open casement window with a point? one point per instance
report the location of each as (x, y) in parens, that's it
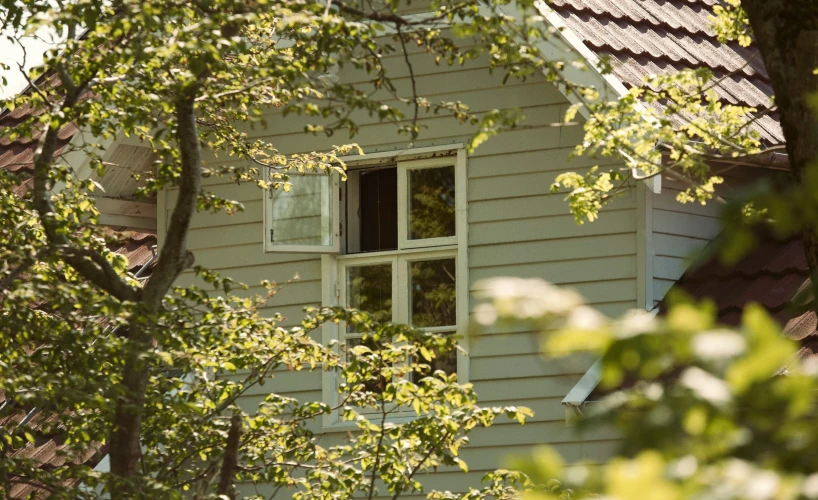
(403, 253)
(305, 218)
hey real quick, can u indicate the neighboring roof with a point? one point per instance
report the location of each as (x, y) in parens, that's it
(651, 37)
(770, 275)
(48, 450)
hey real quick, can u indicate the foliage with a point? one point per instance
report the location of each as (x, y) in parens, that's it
(676, 123)
(156, 372)
(703, 411)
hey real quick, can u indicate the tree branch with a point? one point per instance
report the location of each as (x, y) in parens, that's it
(412, 79)
(89, 263)
(231, 458)
(174, 256)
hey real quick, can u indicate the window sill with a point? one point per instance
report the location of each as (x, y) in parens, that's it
(350, 425)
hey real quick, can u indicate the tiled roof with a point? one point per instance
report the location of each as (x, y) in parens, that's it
(651, 37)
(48, 448)
(771, 275)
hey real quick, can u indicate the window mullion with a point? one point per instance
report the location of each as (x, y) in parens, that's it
(399, 282)
(403, 205)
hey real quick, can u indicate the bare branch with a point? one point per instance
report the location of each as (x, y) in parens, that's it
(413, 81)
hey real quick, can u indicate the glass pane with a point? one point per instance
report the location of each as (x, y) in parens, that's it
(369, 288)
(433, 289)
(447, 362)
(302, 216)
(431, 203)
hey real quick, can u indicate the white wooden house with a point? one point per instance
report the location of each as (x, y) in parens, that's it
(493, 215)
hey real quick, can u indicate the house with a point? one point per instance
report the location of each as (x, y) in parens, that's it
(414, 227)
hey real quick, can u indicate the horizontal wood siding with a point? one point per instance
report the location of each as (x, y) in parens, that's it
(516, 228)
(680, 231)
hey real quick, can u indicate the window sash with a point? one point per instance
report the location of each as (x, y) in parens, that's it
(404, 201)
(401, 281)
(401, 292)
(330, 204)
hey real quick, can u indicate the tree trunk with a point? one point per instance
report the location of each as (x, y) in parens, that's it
(786, 32)
(173, 259)
(125, 447)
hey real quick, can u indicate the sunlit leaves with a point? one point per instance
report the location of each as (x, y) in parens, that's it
(676, 121)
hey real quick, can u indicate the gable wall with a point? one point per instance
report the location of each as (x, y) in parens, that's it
(681, 231)
(516, 228)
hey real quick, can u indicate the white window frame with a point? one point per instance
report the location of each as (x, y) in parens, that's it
(404, 167)
(335, 223)
(333, 267)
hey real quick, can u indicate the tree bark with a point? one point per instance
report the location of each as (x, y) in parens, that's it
(173, 259)
(231, 459)
(786, 32)
(124, 445)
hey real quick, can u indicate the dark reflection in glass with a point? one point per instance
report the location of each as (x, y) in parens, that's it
(433, 292)
(431, 203)
(369, 289)
(446, 362)
(379, 209)
(375, 384)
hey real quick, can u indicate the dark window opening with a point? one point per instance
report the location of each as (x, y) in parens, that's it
(378, 210)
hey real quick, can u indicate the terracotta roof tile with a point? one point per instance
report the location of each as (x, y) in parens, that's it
(651, 37)
(771, 275)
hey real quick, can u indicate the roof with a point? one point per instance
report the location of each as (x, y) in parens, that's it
(770, 275)
(18, 156)
(651, 37)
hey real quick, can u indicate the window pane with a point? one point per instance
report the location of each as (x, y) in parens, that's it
(369, 288)
(433, 292)
(379, 210)
(302, 216)
(431, 203)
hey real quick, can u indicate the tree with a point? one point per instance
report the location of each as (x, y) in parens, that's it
(129, 363)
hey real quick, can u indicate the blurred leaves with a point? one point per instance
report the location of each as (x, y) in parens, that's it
(701, 410)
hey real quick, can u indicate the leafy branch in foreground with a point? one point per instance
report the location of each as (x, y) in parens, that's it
(703, 411)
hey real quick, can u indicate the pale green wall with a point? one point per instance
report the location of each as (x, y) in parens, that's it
(680, 231)
(516, 228)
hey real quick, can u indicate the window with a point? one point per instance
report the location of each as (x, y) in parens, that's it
(393, 239)
(305, 218)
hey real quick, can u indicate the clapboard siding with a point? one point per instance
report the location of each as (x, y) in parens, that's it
(517, 227)
(679, 232)
(606, 245)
